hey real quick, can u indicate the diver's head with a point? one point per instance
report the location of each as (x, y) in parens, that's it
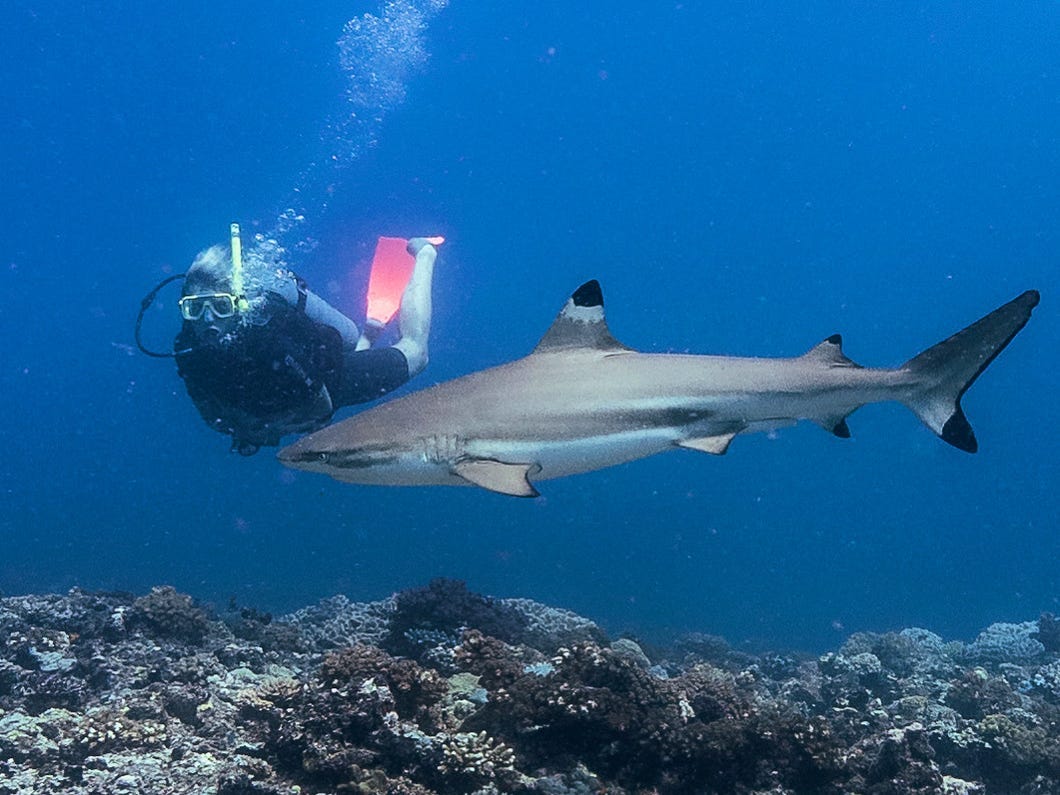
(208, 301)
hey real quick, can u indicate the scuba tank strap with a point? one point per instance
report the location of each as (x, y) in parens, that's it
(303, 291)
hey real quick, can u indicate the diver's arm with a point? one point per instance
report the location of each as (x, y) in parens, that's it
(320, 311)
(249, 432)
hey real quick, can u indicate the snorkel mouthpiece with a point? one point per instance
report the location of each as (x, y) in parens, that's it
(237, 269)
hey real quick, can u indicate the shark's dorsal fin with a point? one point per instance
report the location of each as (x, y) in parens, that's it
(581, 324)
(488, 473)
(830, 352)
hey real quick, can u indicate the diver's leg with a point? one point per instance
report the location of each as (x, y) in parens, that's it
(414, 316)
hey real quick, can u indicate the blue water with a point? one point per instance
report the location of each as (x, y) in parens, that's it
(743, 181)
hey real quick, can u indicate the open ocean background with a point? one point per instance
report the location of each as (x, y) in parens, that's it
(742, 179)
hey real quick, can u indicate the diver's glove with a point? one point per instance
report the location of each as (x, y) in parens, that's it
(244, 448)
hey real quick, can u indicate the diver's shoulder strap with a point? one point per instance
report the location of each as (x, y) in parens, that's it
(303, 291)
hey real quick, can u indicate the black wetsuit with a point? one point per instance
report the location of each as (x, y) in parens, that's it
(285, 376)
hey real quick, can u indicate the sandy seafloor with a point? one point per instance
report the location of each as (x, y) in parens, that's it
(440, 690)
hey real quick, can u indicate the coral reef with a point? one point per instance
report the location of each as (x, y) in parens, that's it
(1007, 642)
(165, 613)
(1048, 633)
(337, 622)
(439, 691)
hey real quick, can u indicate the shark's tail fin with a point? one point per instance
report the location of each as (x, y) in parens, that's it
(944, 372)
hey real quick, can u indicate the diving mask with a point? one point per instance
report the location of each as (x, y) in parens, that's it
(221, 305)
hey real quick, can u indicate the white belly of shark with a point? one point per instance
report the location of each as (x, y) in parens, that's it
(552, 459)
(582, 401)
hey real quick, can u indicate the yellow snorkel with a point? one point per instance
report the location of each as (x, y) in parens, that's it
(237, 270)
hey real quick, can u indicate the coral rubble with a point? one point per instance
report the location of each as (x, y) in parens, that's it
(441, 690)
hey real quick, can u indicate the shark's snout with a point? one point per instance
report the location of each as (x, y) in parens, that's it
(300, 454)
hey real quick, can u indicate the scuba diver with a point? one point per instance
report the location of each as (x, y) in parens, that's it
(262, 356)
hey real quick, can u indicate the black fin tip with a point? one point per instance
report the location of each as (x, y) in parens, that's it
(589, 294)
(958, 432)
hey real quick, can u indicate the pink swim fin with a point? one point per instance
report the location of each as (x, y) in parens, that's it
(391, 270)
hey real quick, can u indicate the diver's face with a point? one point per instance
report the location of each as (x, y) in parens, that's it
(210, 309)
(211, 327)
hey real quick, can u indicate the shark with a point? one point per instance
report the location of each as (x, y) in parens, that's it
(582, 401)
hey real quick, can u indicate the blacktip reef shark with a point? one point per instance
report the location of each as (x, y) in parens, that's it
(583, 401)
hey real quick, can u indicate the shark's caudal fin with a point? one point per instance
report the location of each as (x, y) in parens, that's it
(945, 371)
(581, 324)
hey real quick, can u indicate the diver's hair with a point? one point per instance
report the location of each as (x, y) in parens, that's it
(211, 269)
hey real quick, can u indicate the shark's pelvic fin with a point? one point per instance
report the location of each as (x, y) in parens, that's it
(715, 445)
(581, 324)
(511, 479)
(830, 352)
(836, 425)
(945, 371)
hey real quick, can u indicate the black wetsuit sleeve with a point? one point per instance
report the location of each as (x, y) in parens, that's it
(370, 374)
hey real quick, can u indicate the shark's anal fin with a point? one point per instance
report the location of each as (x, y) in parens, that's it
(511, 479)
(715, 445)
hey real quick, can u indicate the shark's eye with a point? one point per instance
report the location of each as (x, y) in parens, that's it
(324, 457)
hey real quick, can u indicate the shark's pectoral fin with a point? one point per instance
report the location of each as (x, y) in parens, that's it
(511, 479)
(715, 445)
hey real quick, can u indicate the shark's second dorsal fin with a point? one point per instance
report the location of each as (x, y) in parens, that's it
(581, 324)
(830, 352)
